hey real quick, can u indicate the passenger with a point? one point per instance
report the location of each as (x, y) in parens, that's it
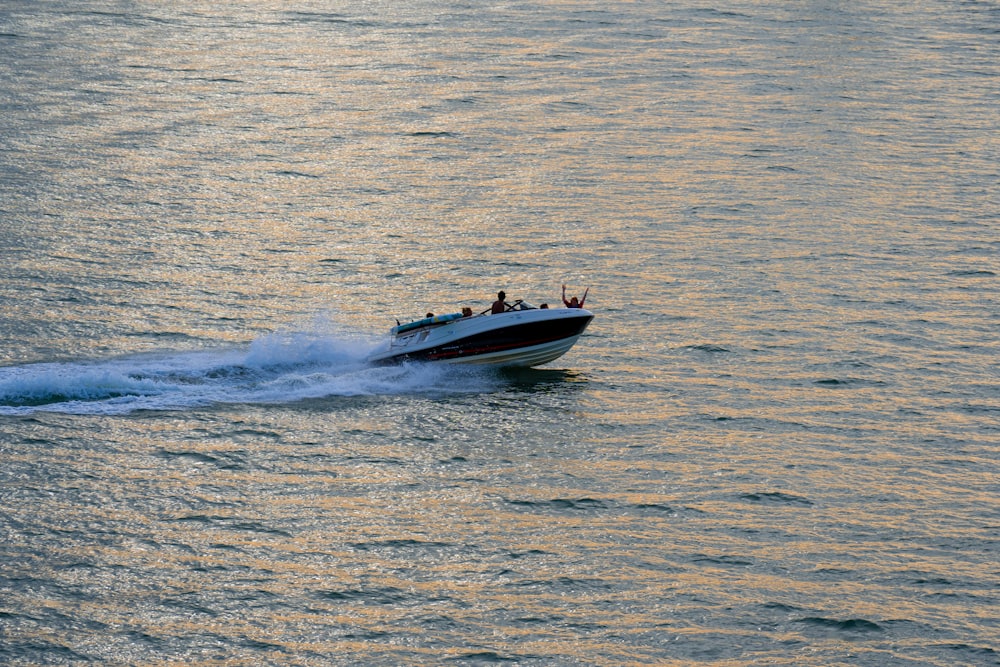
(429, 315)
(500, 305)
(466, 312)
(574, 302)
(544, 306)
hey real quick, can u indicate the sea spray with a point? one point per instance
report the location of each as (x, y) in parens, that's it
(44, 384)
(282, 367)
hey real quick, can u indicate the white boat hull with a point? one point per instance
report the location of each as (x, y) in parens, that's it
(520, 338)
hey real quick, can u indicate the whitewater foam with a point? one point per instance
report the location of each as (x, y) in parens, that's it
(276, 368)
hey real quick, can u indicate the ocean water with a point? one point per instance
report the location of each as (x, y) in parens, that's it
(777, 444)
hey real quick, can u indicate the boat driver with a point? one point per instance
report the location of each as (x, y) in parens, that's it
(500, 305)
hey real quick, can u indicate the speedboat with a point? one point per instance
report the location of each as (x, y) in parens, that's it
(523, 336)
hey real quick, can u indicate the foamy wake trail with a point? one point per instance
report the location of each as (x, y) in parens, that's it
(277, 368)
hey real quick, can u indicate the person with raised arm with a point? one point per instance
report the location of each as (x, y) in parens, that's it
(574, 302)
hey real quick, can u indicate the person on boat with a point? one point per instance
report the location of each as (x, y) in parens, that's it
(500, 305)
(574, 302)
(466, 311)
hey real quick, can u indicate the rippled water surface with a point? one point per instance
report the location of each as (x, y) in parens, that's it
(776, 444)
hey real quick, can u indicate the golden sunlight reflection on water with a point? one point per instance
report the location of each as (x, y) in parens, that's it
(774, 444)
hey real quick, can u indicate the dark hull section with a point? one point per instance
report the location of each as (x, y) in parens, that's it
(501, 340)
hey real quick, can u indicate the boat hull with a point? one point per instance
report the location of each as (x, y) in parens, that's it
(516, 339)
